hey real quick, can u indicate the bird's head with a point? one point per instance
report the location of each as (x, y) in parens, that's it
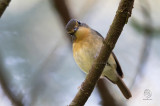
(76, 29)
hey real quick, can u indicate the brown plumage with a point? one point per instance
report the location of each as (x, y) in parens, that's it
(86, 47)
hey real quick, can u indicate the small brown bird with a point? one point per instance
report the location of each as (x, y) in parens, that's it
(86, 47)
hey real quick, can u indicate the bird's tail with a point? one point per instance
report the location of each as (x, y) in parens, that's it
(125, 91)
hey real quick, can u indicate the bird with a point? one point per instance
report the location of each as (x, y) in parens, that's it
(86, 46)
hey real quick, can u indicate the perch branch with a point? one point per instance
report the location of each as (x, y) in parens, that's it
(120, 19)
(3, 5)
(106, 97)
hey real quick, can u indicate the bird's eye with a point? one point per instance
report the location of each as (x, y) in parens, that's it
(79, 22)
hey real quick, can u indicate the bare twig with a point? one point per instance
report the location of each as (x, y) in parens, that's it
(121, 17)
(107, 98)
(61, 7)
(3, 5)
(148, 31)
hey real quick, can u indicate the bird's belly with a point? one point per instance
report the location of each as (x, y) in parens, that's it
(85, 55)
(110, 73)
(84, 58)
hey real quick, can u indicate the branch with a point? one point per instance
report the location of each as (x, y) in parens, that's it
(148, 31)
(3, 5)
(121, 17)
(107, 98)
(62, 9)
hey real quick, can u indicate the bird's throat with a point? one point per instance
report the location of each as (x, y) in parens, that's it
(81, 34)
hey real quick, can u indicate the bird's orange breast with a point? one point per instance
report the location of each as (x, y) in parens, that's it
(85, 49)
(82, 35)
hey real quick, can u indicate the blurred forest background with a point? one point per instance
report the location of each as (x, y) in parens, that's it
(36, 63)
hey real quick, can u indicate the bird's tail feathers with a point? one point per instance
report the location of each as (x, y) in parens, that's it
(125, 91)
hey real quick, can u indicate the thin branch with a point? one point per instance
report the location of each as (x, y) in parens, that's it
(107, 98)
(120, 19)
(62, 9)
(148, 31)
(3, 5)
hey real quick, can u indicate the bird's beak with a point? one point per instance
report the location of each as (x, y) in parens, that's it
(75, 29)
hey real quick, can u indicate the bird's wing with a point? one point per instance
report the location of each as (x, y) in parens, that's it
(119, 70)
(98, 33)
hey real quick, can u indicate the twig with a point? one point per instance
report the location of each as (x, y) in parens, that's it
(148, 31)
(3, 5)
(61, 7)
(107, 98)
(121, 17)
